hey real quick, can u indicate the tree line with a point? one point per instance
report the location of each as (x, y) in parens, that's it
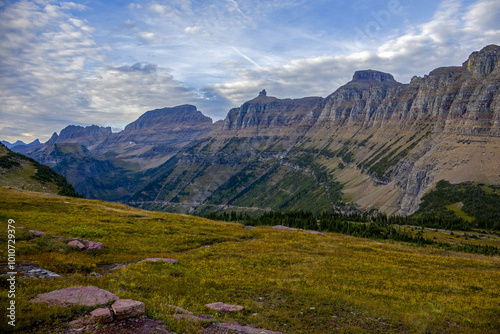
(364, 225)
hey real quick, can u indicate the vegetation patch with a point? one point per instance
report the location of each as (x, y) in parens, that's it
(481, 207)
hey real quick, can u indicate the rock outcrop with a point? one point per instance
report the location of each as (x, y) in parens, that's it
(85, 136)
(76, 295)
(127, 308)
(101, 315)
(92, 296)
(221, 307)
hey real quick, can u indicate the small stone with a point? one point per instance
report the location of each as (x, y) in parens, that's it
(101, 315)
(94, 246)
(126, 308)
(36, 233)
(221, 307)
(76, 243)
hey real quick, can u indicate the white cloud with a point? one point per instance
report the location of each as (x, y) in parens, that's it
(215, 55)
(157, 8)
(147, 35)
(445, 40)
(192, 30)
(483, 16)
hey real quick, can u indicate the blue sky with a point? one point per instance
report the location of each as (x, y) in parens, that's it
(108, 62)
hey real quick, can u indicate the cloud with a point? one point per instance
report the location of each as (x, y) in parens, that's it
(216, 55)
(43, 50)
(192, 30)
(147, 35)
(446, 40)
(55, 74)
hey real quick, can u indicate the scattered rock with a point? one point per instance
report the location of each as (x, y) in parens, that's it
(221, 307)
(249, 227)
(101, 315)
(126, 308)
(281, 227)
(76, 295)
(36, 272)
(118, 266)
(156, 259)
(313, 232)
(142, 325)
(93, 246)
(36, 233)
(76, 243)
(221, 328)
(21, 227)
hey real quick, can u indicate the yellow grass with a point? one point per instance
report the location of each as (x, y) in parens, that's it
(287, 281)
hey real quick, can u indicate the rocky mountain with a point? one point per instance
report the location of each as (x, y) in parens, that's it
(88, 136)
(374, 143)
(20, 145)
(21, 172)
(110, 166)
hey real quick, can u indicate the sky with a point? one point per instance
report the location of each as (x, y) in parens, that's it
(107, 62)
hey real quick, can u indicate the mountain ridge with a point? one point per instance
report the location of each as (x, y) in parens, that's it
(374, 142)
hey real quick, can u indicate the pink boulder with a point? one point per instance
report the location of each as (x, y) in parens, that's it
(76, 243)
(126, 308)
(101, 315)
(76, 295)
(94, 246)
(36, 233)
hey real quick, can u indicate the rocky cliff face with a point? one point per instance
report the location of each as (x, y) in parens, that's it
(106, 165)
(394, 141)
(374, 142)
(87, 136)
(266, 115)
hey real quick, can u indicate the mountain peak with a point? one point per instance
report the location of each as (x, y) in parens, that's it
(372, 76)
(482, 63)
(186, 114)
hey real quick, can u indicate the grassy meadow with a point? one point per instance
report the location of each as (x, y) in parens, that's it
(288, 281)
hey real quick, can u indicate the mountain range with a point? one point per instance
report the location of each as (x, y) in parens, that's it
(374, 143)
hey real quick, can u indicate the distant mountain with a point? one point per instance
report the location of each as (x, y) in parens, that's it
(111, 166)
(19, 171)
(374, 143)
(18, 144)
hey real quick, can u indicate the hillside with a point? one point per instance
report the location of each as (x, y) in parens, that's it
(19, 171)
(287, 281)
(374, 143)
